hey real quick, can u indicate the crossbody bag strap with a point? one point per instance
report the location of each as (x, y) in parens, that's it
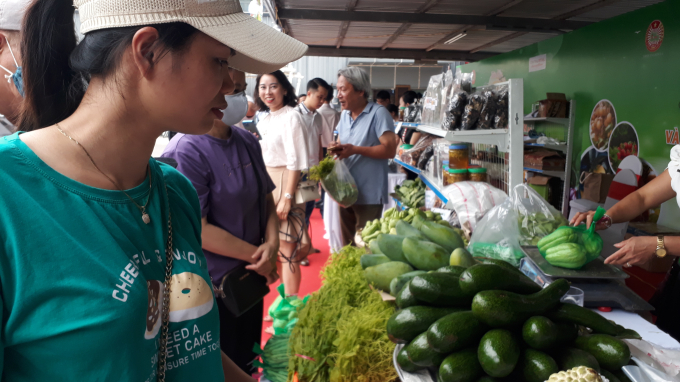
(261, 197)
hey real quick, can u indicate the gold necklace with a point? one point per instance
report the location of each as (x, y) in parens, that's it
(142, 209)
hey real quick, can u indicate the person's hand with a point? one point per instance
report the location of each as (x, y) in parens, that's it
(283, 208)
(262, 258)
(344, 151)
(636, 250)
(580, 217)
(272, 277)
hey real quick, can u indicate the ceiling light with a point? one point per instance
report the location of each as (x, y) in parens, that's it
(456, 38)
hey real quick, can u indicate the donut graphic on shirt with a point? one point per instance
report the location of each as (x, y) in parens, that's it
(153, 311)
(191, 297)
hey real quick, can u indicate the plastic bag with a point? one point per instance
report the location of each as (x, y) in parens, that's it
(285, 310)
(455, 111)
(471, 201)
(340, 185)
(502, 110)
(412, 155)
(432, 103)
(472, 112)
(411, 113)
(586, 237)
(447, 85)
(536, 217)
(488, 112)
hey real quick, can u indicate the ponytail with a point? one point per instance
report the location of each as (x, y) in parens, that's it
(52, 89)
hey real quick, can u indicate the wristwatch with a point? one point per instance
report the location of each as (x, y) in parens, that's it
(288, 196)
(660, 247)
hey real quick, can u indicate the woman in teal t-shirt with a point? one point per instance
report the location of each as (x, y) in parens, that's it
(102, 277)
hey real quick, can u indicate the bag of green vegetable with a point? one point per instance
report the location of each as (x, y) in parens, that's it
(275, 357)
(572, 247)
(336, 179)
(286, 311)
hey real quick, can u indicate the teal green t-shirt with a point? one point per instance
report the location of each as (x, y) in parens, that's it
(81, 278)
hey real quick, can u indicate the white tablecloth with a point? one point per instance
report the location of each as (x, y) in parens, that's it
(646, 329)
(331, 215)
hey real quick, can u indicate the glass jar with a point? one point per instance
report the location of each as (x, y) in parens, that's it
(457, 175)
(459, 156)
(441, 171)
(445, 176)
(478, 174)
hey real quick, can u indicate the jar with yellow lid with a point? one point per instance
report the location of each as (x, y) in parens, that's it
(457, 175)
(459, 156)
(478, 174)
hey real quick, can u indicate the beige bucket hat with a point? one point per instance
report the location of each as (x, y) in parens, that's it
(260, 48)
(11, 13)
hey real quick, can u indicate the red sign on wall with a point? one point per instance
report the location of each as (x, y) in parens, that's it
(654, 36)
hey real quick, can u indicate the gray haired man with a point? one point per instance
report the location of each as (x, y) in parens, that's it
(366, 142)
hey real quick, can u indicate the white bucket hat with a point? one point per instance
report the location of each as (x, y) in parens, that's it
(11, 13)
(260, 48)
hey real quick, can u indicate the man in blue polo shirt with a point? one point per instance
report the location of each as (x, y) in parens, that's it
(366, 142)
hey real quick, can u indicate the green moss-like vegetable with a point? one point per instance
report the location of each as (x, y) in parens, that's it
(341, 335)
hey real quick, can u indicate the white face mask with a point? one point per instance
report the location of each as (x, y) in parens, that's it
(237, 109)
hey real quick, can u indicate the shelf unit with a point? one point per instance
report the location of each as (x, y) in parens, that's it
(508, 141)
(565, 175)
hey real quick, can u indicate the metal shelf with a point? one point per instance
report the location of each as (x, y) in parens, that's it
(436, 189)
(556, 174)
(407, 166)
(562, 148)
(560, 121)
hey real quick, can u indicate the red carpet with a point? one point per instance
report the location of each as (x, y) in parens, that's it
(310, 274)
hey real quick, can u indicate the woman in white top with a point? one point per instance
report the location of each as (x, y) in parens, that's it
(285, 153)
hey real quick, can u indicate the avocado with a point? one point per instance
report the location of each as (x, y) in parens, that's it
(540, 333)
(439, 289)
(452, 269)
(373, 260)
(482, 277)
(405, 362)
(455, 331)
(398, 282)
(502, 309)
(406, 324)
(421, 354)
(569, 358)
(575, 314)
(609, 375)
(500, 263)
(381, 275)
(462, 366)
(498, 352)
(610, 352)
(461, 257)
(405, 298)
(425, 255)
(535, 366)
(407, 230)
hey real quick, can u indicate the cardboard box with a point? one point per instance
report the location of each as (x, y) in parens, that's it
(540, 185)
(555, 106)
(544, 160)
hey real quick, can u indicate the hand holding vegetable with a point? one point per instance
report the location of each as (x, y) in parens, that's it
(588, 218)
(636, 250)
(343, 151)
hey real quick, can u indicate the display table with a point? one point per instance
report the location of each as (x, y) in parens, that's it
(331, 215)
(646, 329)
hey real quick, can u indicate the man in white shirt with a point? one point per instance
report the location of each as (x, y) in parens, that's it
(316, 95)
(330, 118)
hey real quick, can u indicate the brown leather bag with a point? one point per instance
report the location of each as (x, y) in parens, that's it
(595, 186)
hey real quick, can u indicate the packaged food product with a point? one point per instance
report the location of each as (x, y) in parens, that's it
(488, 112)
(501, 119)
(477, 174)
(445, 176)
(472, 112)
(432, 104)
(457, 175)
(459, 156)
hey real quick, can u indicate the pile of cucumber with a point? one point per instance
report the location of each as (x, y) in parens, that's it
(414, 249)
(388, 222)
(411, 193)
(490, 322)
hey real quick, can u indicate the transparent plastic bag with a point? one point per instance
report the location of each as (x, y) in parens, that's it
(472, 201)
(340, 185)
(497, 235)
(488, 112)
(432, 103)
(523, 219)
(447, 85)
(502, 109)
(472, 112)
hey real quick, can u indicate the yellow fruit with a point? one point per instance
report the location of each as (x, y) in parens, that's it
(577, 374)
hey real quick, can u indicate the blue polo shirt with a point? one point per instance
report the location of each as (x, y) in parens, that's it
(370, 174)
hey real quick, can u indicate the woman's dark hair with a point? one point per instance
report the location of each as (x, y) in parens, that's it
(392, 108)
(289, 99)
(409, 97)
(383, 94)
(56, 69)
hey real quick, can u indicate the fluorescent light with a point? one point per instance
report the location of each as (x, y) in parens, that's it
(455, 38)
